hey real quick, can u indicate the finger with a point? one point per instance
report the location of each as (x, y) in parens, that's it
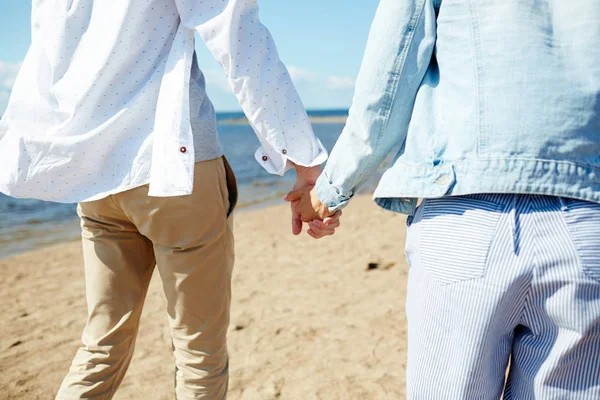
(304, 215)
(323, 232)
(294, 195)
(335, 216)
(296, 224)
(321, 226)
(320, 229)
(330, 220)
(330, 226)
(313, 234)
(331, 223)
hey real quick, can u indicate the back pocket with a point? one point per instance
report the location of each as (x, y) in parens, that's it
(583, 221)
(455, 237)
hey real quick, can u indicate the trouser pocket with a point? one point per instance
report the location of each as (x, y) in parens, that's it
(232, 188)
(583, 221)
(454, 237)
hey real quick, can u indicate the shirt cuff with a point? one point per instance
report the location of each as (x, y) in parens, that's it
(279, 162)
(330, 195)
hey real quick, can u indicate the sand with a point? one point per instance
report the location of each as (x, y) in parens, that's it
(309, 320)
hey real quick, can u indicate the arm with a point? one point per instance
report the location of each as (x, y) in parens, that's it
(244, 47)
(398, 53)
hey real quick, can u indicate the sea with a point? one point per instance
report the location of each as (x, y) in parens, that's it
(27, 224)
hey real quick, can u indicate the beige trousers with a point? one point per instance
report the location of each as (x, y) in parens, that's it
(190, 240)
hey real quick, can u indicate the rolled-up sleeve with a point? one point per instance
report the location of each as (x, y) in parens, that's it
(234, 34)
(397, 56)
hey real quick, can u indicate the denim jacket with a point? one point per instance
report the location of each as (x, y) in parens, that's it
(481, 96)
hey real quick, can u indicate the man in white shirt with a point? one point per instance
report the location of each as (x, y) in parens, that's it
(109, 110)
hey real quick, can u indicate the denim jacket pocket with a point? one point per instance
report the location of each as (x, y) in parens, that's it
(455, 237)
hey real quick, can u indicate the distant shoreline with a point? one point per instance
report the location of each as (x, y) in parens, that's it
(339, 119)
(338, 116)
(33, 237)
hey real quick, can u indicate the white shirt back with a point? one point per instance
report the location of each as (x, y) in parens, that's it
(101, 104)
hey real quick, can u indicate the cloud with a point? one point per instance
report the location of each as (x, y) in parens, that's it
(4, 95)
(316, 90)
(299, 75)
(8, 74)
(217, 79)
(303, 76)
(340, 82)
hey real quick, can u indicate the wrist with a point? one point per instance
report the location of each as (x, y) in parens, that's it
(308, 174)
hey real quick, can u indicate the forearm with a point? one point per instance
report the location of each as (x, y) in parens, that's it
(396, 59)
(244, 47)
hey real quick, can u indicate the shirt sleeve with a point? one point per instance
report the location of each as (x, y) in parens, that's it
(234, 34)
(397, 56)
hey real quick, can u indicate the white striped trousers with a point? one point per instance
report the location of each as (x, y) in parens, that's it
(498, 278)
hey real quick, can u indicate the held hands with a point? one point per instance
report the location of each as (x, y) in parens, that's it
(307, 207)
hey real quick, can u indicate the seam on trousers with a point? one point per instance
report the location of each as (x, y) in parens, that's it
(113, 386)
(534, 258)
(502, 211)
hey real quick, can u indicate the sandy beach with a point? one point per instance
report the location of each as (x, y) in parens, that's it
(310, 320)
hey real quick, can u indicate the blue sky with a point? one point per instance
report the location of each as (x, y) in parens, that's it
(321, 42)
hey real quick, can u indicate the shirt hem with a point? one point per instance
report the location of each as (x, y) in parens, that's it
(402, 185)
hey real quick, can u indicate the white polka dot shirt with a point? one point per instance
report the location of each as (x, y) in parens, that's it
(102, 102)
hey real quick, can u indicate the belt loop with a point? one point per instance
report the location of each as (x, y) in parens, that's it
(563, 204)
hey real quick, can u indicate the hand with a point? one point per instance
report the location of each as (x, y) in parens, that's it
(306, 179)
(307, 205)
(319, 229)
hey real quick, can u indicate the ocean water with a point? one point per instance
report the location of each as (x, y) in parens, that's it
(31, 224)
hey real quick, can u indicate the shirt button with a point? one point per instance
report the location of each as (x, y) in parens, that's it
(284, 151)
(183, 149)
(265, 158)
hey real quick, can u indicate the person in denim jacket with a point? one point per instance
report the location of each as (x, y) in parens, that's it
(495, 109)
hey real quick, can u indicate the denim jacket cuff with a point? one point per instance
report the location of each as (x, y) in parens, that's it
(329, 195)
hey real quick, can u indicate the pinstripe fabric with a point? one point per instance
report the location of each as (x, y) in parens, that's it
(496, 277)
